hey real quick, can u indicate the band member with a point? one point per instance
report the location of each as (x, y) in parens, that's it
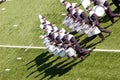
(116, 3)
(81, 15)
(62, 1)
(107, 8)
(71, 40)
(95, 22)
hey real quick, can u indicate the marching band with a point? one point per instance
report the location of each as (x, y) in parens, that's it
(60, 42)
(63, 44)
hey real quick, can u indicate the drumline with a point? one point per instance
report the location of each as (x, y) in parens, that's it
(99, 9)
(80, 27)
(57, 50)
(51, 47)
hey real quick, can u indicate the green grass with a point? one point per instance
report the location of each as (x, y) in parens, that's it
(37, 64)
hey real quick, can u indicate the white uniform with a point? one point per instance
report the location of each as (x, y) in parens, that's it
(69, 37)
(74, 5)
(61, 35)
(74, 11)
(91, 13)
(55, 35)
(49, 27)
(68, 5)
(42, 20)
(80, 12)
(55, 28)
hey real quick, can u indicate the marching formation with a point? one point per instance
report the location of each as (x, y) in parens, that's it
(63, 44)
(78, 21)
(60, 42)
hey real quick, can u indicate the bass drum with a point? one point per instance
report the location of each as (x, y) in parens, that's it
(99, 10)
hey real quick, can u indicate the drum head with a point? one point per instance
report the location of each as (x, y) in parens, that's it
(99, 10)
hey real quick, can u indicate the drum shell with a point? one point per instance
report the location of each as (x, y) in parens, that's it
(62, 53)
(95, 31)
(71, 52)
(51, 48)
(57, 51)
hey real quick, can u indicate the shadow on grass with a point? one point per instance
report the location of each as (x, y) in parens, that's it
(87, 40)
(73, 33)
(84, 42)
(78, 37)
(42, 58)
(47, 69)
(39, 60)
(57, 69)
(106, 18)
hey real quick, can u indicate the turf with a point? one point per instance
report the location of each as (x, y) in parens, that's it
(40, 65)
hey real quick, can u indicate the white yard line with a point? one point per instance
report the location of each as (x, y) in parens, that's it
(25, 47)
(9, 0)
(3, 9)
(40, 47)
(106, 50)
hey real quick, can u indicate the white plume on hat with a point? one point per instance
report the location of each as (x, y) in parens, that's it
(63, 30)
(74, 5)
(62, 1)
(80, 11)
(91, 13)
(47, 22)
(61, 35)
(73, 11)
(42, 20)
(68, 5)
(40, 16)
(41, 26)
(55, 28)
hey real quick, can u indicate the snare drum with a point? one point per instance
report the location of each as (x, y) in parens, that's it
(62, 53)
(57, 51)
(99, 10)
(96, 31)
(71, 52)
(51, 48)
(93, 31)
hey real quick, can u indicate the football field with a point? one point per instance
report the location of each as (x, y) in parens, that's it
(19, 26)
